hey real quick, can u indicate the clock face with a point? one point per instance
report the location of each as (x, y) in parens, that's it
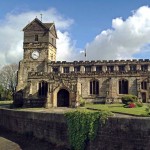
(35, 54)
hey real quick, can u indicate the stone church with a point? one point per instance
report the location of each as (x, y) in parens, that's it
(45, 82)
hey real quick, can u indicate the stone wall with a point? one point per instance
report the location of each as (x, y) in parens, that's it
(48, 126)
(117, 134)
(123, 134)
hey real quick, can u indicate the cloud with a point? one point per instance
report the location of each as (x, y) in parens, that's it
(64, 46)
(11, 39)
(126, 39)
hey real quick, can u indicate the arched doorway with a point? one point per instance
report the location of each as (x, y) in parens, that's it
(63, 98)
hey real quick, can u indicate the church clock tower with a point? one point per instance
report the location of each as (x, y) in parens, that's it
(39, 48)
(40, 41)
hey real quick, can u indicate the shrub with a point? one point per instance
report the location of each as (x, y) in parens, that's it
(18, 103)
(126, 106)
(83, 126)
(129, 99)
(18, 99)
(132, 105)
(139, 104)
(148, 109)
(82, 102)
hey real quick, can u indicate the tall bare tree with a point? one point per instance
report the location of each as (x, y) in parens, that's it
(8, 78)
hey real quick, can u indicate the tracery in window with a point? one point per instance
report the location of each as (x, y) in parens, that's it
(43, 88)
(144, 85)
(123, 86)
(94, 87)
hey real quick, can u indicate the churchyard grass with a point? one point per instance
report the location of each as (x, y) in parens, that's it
(5, 103)
(115, 108)
(118, 108)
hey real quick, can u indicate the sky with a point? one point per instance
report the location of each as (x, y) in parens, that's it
(107, 29)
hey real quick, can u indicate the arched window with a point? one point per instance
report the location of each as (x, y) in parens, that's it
(123, 86)
(43, 88)
(94, 87)
(144, 85)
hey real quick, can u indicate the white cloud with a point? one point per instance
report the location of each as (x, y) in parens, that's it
(64, 46)
(125, 39)
(11, 39)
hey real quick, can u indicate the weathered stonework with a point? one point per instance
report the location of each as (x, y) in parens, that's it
(43, 81)
(119, 133)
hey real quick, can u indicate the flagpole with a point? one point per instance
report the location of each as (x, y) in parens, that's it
(85, 54)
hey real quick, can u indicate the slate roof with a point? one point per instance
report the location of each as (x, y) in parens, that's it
(45, 25)
(48, 25)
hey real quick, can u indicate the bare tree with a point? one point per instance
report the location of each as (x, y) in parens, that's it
(8, 77)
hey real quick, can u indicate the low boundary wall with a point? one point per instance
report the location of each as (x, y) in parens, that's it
(117, 134)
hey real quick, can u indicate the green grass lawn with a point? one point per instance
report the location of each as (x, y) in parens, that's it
(115, 108)
(5, 103)
(118, 108)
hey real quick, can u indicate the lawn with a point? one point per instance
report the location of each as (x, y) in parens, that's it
(118, 108)
(115, 108)
(5, 103)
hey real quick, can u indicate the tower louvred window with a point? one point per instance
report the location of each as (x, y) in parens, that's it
(36, 37)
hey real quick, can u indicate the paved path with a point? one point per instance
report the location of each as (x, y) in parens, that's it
(6, 144)
(123, 115)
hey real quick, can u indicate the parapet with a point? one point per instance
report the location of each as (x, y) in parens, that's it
(100, 62)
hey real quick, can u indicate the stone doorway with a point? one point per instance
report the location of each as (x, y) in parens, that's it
(143, 94)
(63, 98)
